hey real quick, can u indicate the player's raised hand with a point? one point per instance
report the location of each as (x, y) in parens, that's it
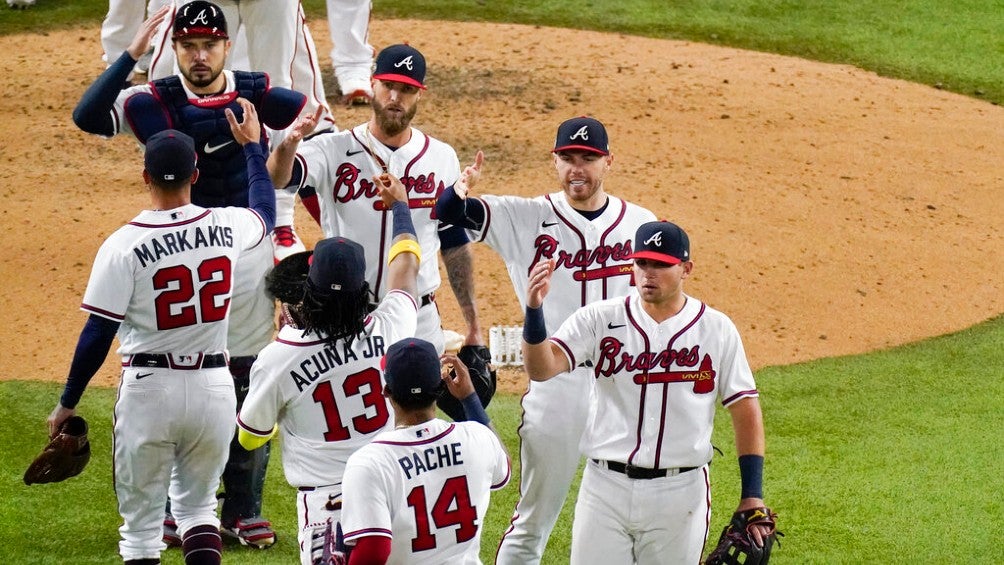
(391, 189)
(539, 283)
(248, 130)
(456, 376)
(470, 176)
(141, 42)
(302, 127)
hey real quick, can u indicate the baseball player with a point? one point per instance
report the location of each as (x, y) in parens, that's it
(321, 380)
(660, 360)
(351, 54)
(419, 493)
(195, 102)
(164, 283)
(588, 233)
(123, 19)
(277, 42)
(338, 167)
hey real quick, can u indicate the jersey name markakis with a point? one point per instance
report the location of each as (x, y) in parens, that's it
(175, 242)
(613, 359)
(431, 458)
(329, 358)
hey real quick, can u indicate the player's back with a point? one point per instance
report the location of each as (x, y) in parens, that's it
(428, 487)
(174, 268)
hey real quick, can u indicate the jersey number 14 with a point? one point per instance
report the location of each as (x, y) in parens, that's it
(452, 508)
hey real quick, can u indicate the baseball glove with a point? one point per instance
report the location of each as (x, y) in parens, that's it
(478, 359)
(287, 279)
(736, 545)
(65, 456)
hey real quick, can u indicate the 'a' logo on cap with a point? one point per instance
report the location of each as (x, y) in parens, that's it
(583, 134)
(656, 239)
(406, 62)
(201, 18)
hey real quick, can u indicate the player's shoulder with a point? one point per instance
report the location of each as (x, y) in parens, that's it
(709, 314)
(637, 211)
(435, 144)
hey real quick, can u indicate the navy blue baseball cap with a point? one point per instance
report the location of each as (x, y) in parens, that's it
(170, 156)
(661, 241)
(411, 367)
(337, 265)
(583, 133)
(401, 63)
(200, 18)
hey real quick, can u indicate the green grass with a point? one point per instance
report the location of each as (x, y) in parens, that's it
(955, 45)
(891, 457)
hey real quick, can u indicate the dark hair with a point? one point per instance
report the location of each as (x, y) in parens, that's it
(337, 315)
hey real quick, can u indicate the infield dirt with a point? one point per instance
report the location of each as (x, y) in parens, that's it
(831, 211)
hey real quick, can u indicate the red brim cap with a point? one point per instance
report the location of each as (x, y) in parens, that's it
(655, 256)
(200, 32)
(580, 148)
(400, 78)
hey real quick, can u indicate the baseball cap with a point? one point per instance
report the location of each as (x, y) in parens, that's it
(200, 18)
(411, 367)
(170, 156)
(401, 63)
(582, 133)
(661, 241)
(337, 264)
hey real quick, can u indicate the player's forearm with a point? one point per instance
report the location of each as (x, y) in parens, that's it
(93, 112)
(261, 191)
(747, 423)
(280, 164)
(541, 361)
(92, 347)
(459, 263)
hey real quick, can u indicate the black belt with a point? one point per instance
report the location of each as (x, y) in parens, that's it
(427, 299)
(171, 361)
(642, 472)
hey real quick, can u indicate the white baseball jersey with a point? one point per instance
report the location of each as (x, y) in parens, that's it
(591, 256)
(656, 383)
(327, 399)
(427, 487)
(340, 167)
(167, 277)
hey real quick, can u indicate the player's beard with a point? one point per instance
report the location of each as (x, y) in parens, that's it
(203, 77)
(392, 124)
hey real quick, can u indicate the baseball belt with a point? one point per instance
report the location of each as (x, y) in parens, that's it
(633, 472)
(181, 362)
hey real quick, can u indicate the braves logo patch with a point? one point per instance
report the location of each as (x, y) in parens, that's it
(582, 134)
(406, 63)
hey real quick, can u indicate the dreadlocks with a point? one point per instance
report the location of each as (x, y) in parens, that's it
(336, 316)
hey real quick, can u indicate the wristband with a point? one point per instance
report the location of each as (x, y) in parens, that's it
(751, 473)
(405, 246)
(473, 409)
(402, 219)
(534, 329)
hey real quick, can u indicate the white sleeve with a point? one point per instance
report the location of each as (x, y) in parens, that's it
(365, 504)
(736, 378)
(501, 469)
(111, 284)
(397, 315)
(578, 336)
(260, 410)
(312, 157)
(509, 220)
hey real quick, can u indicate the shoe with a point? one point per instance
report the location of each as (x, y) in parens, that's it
(171, 537)
(286, 242)
(252, 532)
(355, 91)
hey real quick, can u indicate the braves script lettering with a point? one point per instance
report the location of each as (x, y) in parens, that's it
(653, 367)
(349, 186)
(583, 259)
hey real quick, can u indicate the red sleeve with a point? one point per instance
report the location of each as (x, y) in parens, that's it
(370, 550)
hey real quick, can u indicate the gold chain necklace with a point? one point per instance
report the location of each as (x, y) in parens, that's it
(376, 158)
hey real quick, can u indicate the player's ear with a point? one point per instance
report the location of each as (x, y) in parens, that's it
(195, 175)
(688, 268)
(146, 177)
